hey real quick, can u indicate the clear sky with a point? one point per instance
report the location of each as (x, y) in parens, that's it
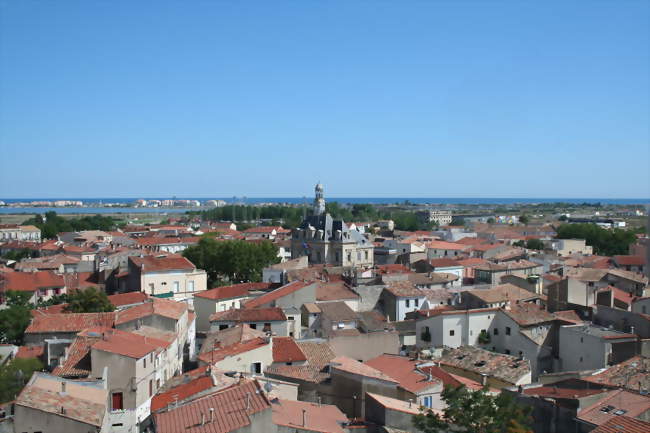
(372, 98)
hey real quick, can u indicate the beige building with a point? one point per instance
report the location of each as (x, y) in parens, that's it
(166, 276)
(220, 299)
(14, 232)
(328, 241)
(566, 247)
(52, 404)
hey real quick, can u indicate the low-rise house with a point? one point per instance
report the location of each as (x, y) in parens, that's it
(221, 299)
(491, 273)
(623, 423)
(631, 375)
(59, 263)
(498, 296)
(434, 280)
(42, 285)
(270, 319)
(493, 369)
(51, 404)
(630, 263)
(122, 301)
(590, 347)
(416, 385)
(277, 273)
(312, 375)
(247, 400)
(566, 247)
(337, 291)
(453, 328)
(166, 276)
(332, 318)
(287, 352)
(488, 251)
(438, 249)
(15, 232)
(442, 265)
(63, 326)
(352, 380)
(391, 412)
(401, 297)
(290, 295)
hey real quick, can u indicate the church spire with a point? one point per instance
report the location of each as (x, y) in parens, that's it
(319, 200)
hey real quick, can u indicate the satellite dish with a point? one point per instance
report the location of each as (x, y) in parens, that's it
(268, 387)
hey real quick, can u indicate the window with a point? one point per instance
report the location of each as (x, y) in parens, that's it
(581, 359)
(222, 327)
(507, 330)
(190, 286)
(417, 302)
(349, 257)
(253, 325)
(582, 340)
(289, 317)
(176, 286)
(267, 327)
(150, 387)
(256, 367)
(118, 401)
(496, 331)
(151, 288)
(288, 363)
(507, 352)
(144, 362)
(366, 256)
(408, 303)
(643, 309)
(427, 401)
(451, 333)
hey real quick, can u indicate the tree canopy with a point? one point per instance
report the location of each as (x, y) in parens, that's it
(606, 242)
(232, 261)
(476, 412)
(16, 317)
(14, 375)
(89, 300)
(53, 224)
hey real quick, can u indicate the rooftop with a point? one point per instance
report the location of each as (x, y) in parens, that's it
(233, 408)
(270, 297)
(30, 281)
(162, 263)
(349, 365)
(403, 289)
(598, 331)
(285, 349)
(334, 291)
(322, 418)
(221, 353)
(68, 322)
(82, 401)
(271, 314)
(503, 293)
(337, 311)
(506, 368)
(154, 306)
(631, 374)
(615, 404)
(128, 344)
(623, 424)
(404, 371)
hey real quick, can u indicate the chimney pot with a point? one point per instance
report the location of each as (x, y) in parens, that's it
(304, 418)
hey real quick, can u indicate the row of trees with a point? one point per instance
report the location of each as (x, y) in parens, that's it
(606, 242)
(53, 224)
(15, 318)
(229, 262)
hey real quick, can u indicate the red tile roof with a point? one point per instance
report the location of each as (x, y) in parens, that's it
(154, 306)
(222, 353)
(623, 424)
(70, 322)
(322, 418)
(404, 289)
(162, 264)
(353, 366)
(285, 349)
(630, 260)
(181, 392)
(128, 344)
(233, 408)
(130, 298)
(261, 229)
(442, 245)
(234, 291)
(393, 269)
(557, 392)
(30, 351)
(444, 263)
(30, 281)
(633, 404)
(249, 315)
(404, 371)
(268, 298)
(334, 291)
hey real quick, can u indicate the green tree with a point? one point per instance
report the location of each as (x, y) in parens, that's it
(14, 375)
(476, 412)
(562, 218)
(232, 261)
(534, 244)
(16, 317)
(53, 224)
(604, 241)
(491, 220)
(20, 254)
(89, 300)
(524, 219)
(519, 243)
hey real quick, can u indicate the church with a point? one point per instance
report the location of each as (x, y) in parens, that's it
(328, 241)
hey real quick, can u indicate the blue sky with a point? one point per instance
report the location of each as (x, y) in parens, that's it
(373, 98)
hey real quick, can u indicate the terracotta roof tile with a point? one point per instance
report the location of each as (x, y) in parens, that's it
(154, 306)
(181, 392)
(162, 264)
(234, 291)
(630, 404)
(334, 291)
(630, 260)
(242, 315)
(268, 298)
(285, 349)
(222, 353)
(403, 289)
(30, 351)
(623, 424)
(233, 408)
(128, 344)
(350, 365)
(72, 322)
(130, 298)
(30, 281)
(404, 371)
(322, 418)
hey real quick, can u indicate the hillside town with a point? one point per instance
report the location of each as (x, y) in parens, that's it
(329, 326)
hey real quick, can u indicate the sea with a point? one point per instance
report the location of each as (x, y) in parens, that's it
(96, 205)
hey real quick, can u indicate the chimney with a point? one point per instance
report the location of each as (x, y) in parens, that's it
(211, 414)
(304, 417)
(248, 401)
